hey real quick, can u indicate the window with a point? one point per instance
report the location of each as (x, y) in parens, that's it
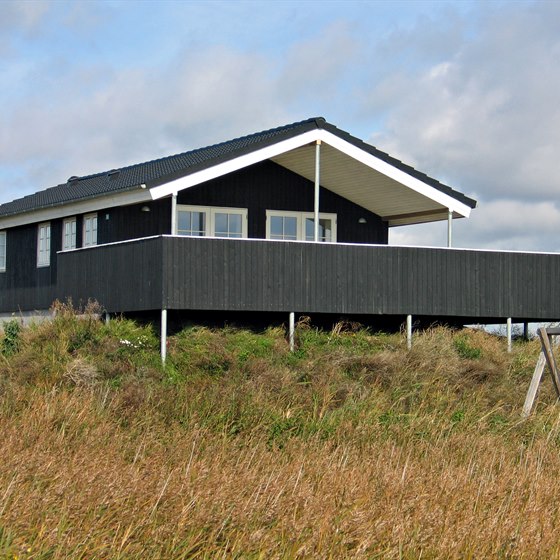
(69, 234)
(44, 244)
(299, 226)
(201, 221)
(283, 227)
(326, 227)
(2, 251)
(191, 223)
(90, 230)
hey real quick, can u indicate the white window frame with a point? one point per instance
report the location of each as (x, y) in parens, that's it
(210, 218)
(4, 245)
(89, 218)
(301, 217)
(44, 244)
(69, 240)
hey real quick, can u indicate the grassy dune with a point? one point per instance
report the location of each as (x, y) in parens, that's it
(352, 447)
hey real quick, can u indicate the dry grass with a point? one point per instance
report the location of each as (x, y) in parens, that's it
(350, 448)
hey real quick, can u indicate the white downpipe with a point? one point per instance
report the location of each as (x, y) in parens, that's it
(292, 331)
(508, 333)
(163, 339)
(449, 228)
(174, 214)
(317, 188)
(409, 331)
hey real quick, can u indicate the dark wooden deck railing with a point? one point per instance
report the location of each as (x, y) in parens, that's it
(256, 275)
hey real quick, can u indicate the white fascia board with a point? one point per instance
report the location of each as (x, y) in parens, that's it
(75, 208)
(394, 173)
(173, 187)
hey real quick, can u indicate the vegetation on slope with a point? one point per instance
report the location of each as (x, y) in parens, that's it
(351, 447)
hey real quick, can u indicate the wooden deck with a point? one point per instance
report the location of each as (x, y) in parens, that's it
(201, 274)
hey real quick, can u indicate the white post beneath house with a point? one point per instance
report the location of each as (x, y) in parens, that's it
(163, 336)
(508, 333)
(292, 331)
(174, 214)
(317, 189)
(449, 228)
(409, 331)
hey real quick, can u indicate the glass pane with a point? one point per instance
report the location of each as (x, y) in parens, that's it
(290, 227)
(221, 225)
(283, 227)
(309, 229)
(198, 223)
(235, 224)
(184, 221)
(276, 227)
(191, 223)
(228, 224)
(325, 229)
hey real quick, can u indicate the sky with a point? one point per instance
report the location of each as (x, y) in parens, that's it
(467, 92)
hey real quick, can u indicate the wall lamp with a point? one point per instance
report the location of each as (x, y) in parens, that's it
(145, 209)
(362, 221)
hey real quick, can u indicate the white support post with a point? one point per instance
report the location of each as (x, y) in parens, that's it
(449, 228)
(409, 331)
(163, 337)
(508, 334)
(534, 386)
(174, 214)
(292, 331)
(317, 189)
(107, 317)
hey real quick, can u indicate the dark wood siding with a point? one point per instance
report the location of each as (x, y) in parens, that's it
(24, 285)
(122, 277)
(261, 187)
(232, 275)
(353, 279)
(268, 186)
(129, 222)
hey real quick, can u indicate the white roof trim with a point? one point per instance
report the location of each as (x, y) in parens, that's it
(74, 208)
(394, 173)
(173, 187)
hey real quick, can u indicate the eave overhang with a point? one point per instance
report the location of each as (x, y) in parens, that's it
(134, 195)
(347, 170)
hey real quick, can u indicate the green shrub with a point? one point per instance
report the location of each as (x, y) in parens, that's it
(465, 350)
(11, 340)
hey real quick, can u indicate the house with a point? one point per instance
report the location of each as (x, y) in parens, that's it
(292, 219)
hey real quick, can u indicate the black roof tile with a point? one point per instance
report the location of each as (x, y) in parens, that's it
(163, 170)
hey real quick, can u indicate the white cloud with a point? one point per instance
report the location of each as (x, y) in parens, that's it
(98, 116)
(487, 121)
(23, 15)
(489, 114)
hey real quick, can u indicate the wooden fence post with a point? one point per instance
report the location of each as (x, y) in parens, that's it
(546, 357)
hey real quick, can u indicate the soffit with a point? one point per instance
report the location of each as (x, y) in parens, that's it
(340, 173)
